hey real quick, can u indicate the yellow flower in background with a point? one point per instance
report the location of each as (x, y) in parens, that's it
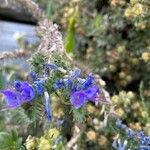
(115, 99)
(133, 1)
(134, 11)
(115, 3)
(146, 56)
(44, 144)
(135, 105)
(58, 112)
(31, 143)
(128, 13)
(147, 129)
(102, 140)
(119, 112)
(53, 133)
(91, 135)
(138, 9)
(136, 126)
(90, 109)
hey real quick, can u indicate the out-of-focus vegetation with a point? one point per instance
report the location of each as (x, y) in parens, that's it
(112, 38)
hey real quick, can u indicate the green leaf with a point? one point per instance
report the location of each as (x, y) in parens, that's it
(79, 114)
(70, 37)
(10, 140)
(2, 81)
(141, 91)
(5, 140)
(50, 9)
(37, 62)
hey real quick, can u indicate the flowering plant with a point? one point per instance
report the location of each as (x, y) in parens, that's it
(60, 104)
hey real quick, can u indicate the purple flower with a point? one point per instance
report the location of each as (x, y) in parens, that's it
(59, 84)
(24, 93)
(12, 99)
(75, 73)
(143, 139)
(33, 75)
(51, 66)
(118, 145)
(78, 99)
(92, 93)
(88, 82)
(143, 147)
(39, 87)
(17, 85)
(27, 92)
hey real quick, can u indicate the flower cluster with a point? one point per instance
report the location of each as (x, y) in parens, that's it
(81, 90)
(118, 145)
(23, 92)
(143, 140)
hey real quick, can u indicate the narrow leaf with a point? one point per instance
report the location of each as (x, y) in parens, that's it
(70, 37)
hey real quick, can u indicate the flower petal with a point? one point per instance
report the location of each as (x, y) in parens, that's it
(78, 99)
(88, 82)
(75, 74)
(39, 87)
(17, 85)
(92, 93)
(27, 92)
(47, 106)
(12, 99)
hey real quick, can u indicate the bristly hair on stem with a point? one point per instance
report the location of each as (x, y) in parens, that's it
(32, 8)
(15, 54)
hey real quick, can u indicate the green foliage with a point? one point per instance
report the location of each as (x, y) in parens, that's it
(79, 114)
(141, 90)
(2, 81)
(21, 117)
(60, 60)
(37, 62)
(35, 112)
(10, 140)
(133, 143)
(70, 37)
(50, 81)
(50, 9)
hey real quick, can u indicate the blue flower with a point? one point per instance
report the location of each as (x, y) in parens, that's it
(24, 93)
(68, 83)
(39, 87)
(130, 133)
(118, 145)
(59, 84)
(92, 93)
(144, 140)
(78, 99)
(51, 66)
(47, 106)
(88, 82)
(75, 74)
(17, 85)
(63, 83)
(12, 99)
(27, 92)
(33, 75)
(143, 147)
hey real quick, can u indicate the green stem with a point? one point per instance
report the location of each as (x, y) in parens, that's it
(49, 9)
(143, 101)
